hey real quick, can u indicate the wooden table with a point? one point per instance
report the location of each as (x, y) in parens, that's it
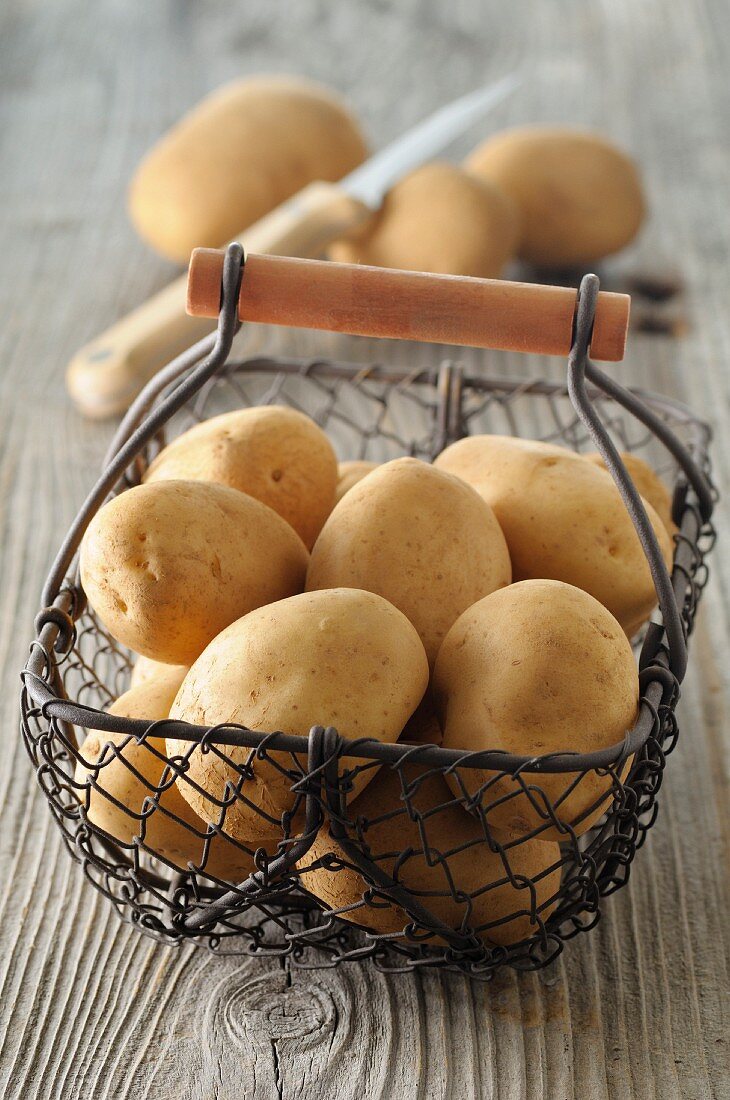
(89, 1008)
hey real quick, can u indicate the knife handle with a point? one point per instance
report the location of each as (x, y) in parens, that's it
(105, 376)
(408, 305)
(307, 222)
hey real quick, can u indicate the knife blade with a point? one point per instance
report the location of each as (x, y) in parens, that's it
(370, 181)
(105, 376)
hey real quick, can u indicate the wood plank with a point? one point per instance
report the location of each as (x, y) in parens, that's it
(635, 1009)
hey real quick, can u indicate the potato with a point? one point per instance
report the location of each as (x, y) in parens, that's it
(649, 484)
(342, 658)
(119, 757)
(440, 219)
(417, 536)
(240, 153)
(145, 670)
(450, 832)
(349, 473)
(167, 566)
(579, 197)
(273, 453)
(539, 667)
(563, 519)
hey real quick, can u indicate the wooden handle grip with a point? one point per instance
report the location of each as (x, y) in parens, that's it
(407, 305)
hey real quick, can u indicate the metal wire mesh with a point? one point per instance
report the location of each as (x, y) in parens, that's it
(412, 871)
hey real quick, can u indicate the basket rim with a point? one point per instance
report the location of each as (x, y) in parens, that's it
(395, 375)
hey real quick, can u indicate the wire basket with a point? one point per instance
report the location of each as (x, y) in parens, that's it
(391, 893)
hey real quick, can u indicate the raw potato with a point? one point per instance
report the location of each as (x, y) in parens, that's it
(236, 156)
(349, 473)
(472, 869)
(439, 219)
(167, 566)
(579, 197)
(417, 536)
(145, 669)
(121, 756)
(540, 667)
(273, 453)
(649, 484)
(563, 518)
(342, 658)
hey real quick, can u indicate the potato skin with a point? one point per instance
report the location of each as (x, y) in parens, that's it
(145, 669)
(579, 197)
(341, 657)
(440, 219)
(539, 667)
(167, 838)
(275, 454)
(420, 538)
(649, 484)
(240, 153)
(563, 519)
(167, 566)
(349, 473)
(472, 869)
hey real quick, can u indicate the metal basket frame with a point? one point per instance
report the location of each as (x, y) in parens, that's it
(176, 906)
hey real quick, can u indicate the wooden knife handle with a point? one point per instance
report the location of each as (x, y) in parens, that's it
(106, 375)
(407, 305)
(306, 223)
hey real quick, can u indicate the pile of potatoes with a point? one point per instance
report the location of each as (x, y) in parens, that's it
(556, 197)
(579, 197)
(484, 601)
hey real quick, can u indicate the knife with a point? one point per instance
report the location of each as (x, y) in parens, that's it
(105, 376)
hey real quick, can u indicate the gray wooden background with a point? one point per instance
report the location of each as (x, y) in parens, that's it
(90, 1009)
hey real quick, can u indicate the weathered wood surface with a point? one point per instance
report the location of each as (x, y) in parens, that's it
(88, 1008)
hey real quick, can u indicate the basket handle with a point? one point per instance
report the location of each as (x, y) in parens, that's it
(408, 305)
(579, 369)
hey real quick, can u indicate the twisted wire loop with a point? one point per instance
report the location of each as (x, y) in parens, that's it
(396, 853)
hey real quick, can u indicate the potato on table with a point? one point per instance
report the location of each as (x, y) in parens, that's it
(440, 219)
(563, 518)
(118, 778)
(274, 453)
(339, 658)
(239, 154)
(579, 197)
(167, 566)
(417, 536)
(445, 851)
(537, 668)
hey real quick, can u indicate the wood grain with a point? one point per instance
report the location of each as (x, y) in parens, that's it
(88, 1008)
